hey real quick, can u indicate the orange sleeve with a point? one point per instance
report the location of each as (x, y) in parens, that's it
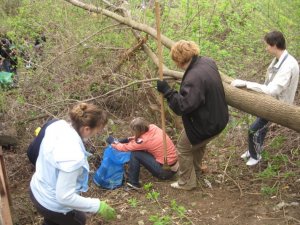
(131, 146)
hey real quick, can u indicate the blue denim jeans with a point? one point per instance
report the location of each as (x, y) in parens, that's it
(6, 65)
(139, 158)
(256, 136)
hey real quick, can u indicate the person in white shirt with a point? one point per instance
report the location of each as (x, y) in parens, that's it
(62, 169)
(281, 83)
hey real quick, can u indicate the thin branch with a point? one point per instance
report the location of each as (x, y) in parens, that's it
(129, 53)
(46, 111)
(236, 183)
(226, 167)
(123, 87)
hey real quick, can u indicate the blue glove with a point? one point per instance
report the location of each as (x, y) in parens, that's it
(110, 139)
(123, 140)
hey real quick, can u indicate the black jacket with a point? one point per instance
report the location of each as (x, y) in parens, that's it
(200, 101)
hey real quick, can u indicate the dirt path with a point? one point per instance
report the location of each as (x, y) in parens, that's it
(234, 199)
(220, 205)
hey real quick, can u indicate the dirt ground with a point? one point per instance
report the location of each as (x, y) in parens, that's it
(234, 197)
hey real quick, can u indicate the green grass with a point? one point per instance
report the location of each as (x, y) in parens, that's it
(278, 142)
(133, 202)
(160, 220)
(269, 172)
(269, 191)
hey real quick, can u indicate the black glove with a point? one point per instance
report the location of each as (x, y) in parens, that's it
(123, 140)
(162, 86)
(110, 139)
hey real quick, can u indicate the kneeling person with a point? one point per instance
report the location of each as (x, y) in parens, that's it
(147, 150)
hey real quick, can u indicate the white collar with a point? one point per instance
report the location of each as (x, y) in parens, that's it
(81, 141)
(283, 55)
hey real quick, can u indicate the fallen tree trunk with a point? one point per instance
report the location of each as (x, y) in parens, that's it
(251, 102)
(132, 23)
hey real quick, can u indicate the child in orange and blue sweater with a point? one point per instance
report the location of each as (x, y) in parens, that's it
(146, 147)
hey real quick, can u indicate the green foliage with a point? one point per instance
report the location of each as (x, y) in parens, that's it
(279, 159)
(160, 220)
(268, 191)
(269, 172)
(94, 87)
(179, 210)
(266, 155)
(132, 202)
(289, 174)
(21, 100)
(277, 142)
(148, 186)
(274, 165)
(153, 195)
(231, 32)
(9, 7)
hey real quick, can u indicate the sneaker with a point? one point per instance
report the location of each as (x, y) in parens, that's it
(133, 186)
(252, 161)
(176, 185)
(246, 155)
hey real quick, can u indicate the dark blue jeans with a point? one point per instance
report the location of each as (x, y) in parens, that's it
(6, 65)
(139, 158)
(256, 136)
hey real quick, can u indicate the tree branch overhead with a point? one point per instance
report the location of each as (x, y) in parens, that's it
(251, 102)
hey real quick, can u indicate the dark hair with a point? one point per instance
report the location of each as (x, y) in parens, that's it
(84, 114)
(275, 38)
(139, 126)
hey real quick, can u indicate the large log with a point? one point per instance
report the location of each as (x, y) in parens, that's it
(251, 102)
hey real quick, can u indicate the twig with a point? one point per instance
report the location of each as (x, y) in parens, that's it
(123, 87)
(236, 183)
(292, 218)
(46, 111)
(129, 52)
(188, 219)
(226, 167)
(34, 118)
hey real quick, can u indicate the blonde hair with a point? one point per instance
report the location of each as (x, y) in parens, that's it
(139, 126)
(84, 114)
(183, 51)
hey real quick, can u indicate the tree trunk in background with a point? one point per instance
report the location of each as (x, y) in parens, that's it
(251, 102)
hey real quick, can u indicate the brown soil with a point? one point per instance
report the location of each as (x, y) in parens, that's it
(234, 199)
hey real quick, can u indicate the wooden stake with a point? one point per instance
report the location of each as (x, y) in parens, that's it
(160, 71)
(5, 199)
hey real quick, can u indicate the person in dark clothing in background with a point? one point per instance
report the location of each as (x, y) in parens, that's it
(201, 104)
(5, 54)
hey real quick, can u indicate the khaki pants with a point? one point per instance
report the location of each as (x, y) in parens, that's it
(190, 160)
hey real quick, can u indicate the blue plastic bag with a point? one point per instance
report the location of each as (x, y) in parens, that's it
(111, 171)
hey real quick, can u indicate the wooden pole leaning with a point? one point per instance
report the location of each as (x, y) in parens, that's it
(160, 71)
